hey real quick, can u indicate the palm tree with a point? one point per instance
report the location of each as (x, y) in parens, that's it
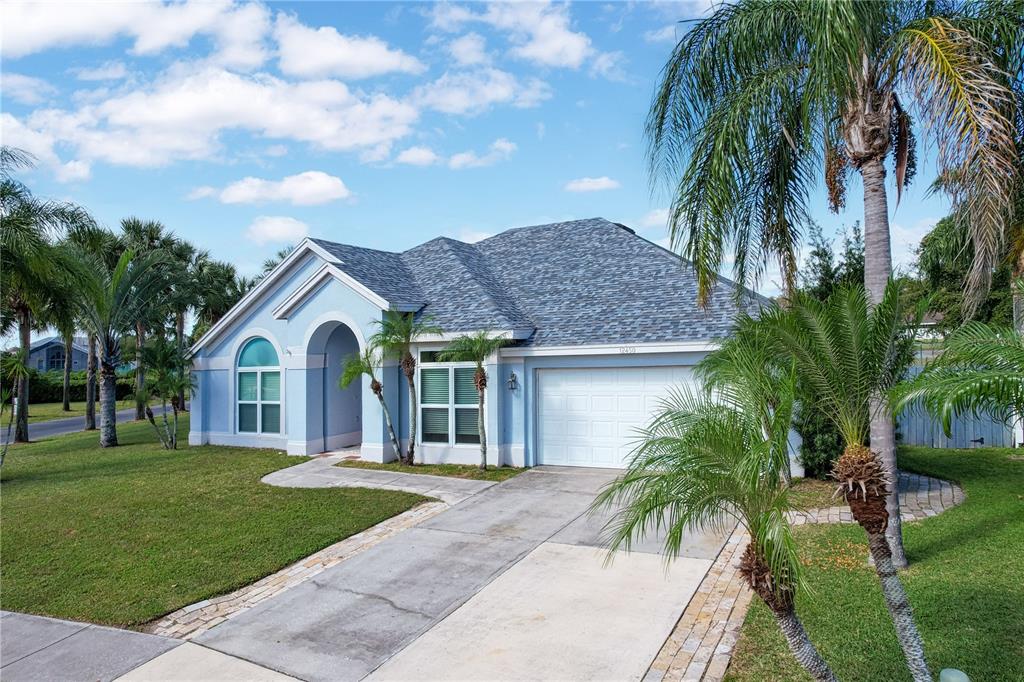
(105, 245)
(476, 348)
(761, 98)
(27, 263)
(112, 300)
(396, 333)
(144, 237)
(169, 380)
(367, 362)
(185, 292)
(849, 351)
(980, 371)
(275, 260)
(13, 368)
(705, 459)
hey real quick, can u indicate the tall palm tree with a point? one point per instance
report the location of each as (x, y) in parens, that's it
(106, 246)
(111, 302)
(27, 263)
(366, 363)
(849, 352)
(706, 459)
(763, 97)
(395, 336)
(476, 348)
(143, 237)
(980, 371)
(275, 260)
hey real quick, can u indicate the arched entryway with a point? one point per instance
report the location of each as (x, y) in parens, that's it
(334, 415)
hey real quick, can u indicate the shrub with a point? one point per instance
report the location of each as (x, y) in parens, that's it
(822, 443)
(48, 387)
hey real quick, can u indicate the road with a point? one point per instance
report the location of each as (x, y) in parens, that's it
(60, 427)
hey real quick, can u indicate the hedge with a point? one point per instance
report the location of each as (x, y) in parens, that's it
(48, 387)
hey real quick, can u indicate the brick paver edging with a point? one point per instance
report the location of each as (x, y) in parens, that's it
(701, 644)
(197, 618)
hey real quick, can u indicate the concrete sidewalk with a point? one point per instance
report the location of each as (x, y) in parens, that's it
(346, 622)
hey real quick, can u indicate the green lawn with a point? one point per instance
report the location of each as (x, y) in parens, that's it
(42, 412)
(453, 470)
(123, 535)
(965, 583)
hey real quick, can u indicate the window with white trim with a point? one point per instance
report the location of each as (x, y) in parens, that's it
(449, 407)
(259, 388)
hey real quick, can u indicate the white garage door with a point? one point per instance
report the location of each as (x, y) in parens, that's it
(589, 417)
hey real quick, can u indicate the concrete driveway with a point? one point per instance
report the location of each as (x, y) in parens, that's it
(509, 583)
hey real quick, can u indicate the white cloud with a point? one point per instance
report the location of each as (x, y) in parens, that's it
(108, 71)
(238, 30)
(469, 50)
(591, 184)
(475, 92)
(202, 192)
(304, 189)
(905, 240)
(312, 53)
(539, 32)
(268, 229)
(665, 34)
(609, 65)
(418, 156)
(25, 89)
(41, 145)
(73, 171)
(184, 112)
(276, 150)
(656, 219)
(500, 150)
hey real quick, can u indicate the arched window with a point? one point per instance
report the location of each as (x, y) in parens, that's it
(259, 388)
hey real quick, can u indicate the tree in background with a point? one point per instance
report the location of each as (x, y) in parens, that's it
(476, 348)
(28, 266)
(13, 372)
(275, 260)
(220, 289)
(168, 380)
(760, 101)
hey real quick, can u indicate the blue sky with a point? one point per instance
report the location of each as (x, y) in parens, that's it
(245, 126)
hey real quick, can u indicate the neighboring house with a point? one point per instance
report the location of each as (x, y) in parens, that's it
(47, 354)
(602, 323)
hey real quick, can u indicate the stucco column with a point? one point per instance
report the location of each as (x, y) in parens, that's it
(298, 407)
(197, 413)
(376, 446)
(493, 397)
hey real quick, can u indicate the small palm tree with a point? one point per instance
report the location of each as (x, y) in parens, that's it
(706, 459)
(395, 336)
(13, 370)
(168, 381)
(112, 300)
(476, 348)
(980, 371)
(367, 362)
(848, 352)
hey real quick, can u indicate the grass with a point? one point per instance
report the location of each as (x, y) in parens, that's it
(454, 470)
(123, 535)
(964, 582)
(43, 412)
(810, 493)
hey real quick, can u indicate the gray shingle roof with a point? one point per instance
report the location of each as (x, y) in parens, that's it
(579, 282)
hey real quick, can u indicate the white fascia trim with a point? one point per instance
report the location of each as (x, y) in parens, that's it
(303, 247)
(317, 280)
(625, 349)
(446, 337)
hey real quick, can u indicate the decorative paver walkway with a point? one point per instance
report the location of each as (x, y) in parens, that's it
(701, 645)
(321, 472)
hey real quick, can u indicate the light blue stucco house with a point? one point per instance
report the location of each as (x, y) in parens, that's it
(600, 321)
(47, 355)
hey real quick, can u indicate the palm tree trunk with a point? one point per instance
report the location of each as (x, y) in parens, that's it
(801, 645)
(108, 404)
(899, 608)
(391, 427)
(140, 373)
(179, 332)
(67, 374)
(877, 271)
(90, 386)
(482, 431)
(25, 335)
(410, 455)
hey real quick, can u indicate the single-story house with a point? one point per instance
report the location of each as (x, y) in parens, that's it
(47, 354)
(601, 323)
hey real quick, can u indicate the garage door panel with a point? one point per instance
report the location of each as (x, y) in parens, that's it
(592, 417)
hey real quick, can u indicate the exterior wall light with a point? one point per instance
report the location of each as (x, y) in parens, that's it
(513, 381)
